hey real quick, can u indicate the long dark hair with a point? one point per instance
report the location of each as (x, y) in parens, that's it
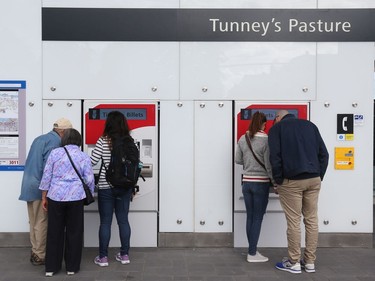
(257, 121)
(116, 126)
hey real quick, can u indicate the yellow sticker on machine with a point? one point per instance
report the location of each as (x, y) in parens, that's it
(344, 158)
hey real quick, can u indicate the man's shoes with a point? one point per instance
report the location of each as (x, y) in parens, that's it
(49, 274)
(70, 272)
(286, 265)
(308, 267)
(101, 261)
(35, 260)
(124, 259)
(258, 257)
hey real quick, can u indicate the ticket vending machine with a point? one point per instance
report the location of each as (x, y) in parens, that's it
(142, 119)
(273, 233)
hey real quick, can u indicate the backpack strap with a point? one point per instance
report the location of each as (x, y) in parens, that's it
(101, 168)
(101, 165)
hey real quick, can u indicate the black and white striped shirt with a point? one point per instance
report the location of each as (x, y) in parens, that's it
(102, 151)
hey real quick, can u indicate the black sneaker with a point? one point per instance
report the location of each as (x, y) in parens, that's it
(35, 260)
(32, 257)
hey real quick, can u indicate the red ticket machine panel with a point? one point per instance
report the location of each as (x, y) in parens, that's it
(138, 116)
(245, 113)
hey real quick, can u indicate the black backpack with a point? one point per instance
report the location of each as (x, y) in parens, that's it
(124, 168)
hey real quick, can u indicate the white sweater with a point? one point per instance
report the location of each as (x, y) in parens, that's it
(253, 171)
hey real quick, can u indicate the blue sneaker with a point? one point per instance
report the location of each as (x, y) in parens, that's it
(286, 265)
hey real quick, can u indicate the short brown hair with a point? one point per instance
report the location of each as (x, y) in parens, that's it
(71, 136)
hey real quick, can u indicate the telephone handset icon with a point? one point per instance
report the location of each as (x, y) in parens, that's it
(344, 126)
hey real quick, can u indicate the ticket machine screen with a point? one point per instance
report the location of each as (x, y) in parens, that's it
(245, 113)
(138, 116)
(129, 113)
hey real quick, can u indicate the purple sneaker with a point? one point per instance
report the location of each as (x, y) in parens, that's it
(101, 261)
(124, 259)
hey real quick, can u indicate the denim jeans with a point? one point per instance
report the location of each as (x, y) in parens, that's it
(256, 200)
(117, 199)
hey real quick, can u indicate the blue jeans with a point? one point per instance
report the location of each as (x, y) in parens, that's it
(117, 199)
(256, 200)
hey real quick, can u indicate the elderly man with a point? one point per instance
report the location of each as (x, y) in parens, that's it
(34, 166)
(299, 160)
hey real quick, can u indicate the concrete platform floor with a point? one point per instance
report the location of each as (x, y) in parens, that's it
(200, 264)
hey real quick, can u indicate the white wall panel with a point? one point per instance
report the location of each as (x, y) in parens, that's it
(110, 70)
(56, 109)
(13, 214)
(176, 166)
(143, 230)
(273, 232)
(112, 3)
(213, 166)
(345, 76)
(20, 57)
(281, 4)
(257, 71)
(21, 54)
(340, 4)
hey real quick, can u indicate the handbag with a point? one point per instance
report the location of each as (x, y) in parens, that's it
(89, 198)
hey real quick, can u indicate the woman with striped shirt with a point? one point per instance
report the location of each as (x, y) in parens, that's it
(255, 181)
(112, 198)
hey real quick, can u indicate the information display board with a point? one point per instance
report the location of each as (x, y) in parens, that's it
(12, 125)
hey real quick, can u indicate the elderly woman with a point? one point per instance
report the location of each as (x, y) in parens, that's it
(63, 196)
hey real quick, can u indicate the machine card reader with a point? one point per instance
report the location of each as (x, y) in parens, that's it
(146, 170)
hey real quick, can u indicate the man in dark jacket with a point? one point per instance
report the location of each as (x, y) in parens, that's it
(299, 160)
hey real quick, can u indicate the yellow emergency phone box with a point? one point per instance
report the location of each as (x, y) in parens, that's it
(344, 158)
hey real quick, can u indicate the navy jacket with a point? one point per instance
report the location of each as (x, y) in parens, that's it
(297, 150)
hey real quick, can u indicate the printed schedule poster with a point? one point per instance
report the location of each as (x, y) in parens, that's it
(9, 112)
(12, 130)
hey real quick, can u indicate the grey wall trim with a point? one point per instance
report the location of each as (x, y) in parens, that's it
(359, 240)
(15, 239)
(195, 240)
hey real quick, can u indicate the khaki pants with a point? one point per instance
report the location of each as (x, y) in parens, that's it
(38, 228)
(300, 197)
